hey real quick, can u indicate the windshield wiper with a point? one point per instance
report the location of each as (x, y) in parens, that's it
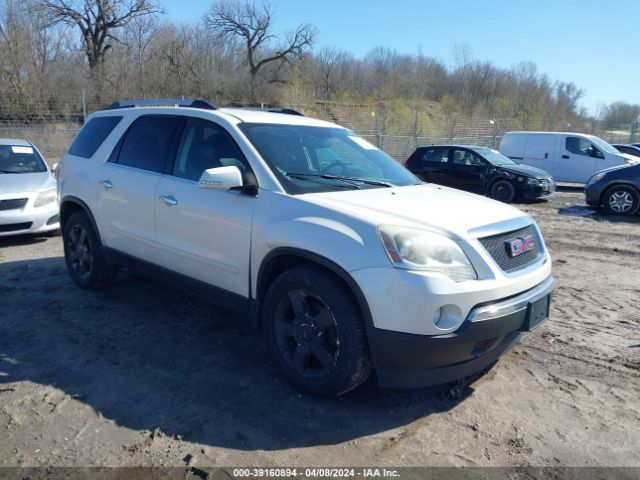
(305, 176)
(366, 181)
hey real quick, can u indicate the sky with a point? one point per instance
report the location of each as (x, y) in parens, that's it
(593, 43)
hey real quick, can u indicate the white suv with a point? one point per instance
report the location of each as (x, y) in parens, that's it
(345, 261)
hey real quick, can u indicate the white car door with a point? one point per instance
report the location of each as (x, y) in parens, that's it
(203, 233)
(128, 181)
(576, 162)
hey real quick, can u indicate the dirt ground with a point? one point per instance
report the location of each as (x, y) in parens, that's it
(139, 374)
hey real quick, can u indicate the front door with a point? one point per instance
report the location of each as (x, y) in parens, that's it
(468, 171)
(203, 233)
(577, 160)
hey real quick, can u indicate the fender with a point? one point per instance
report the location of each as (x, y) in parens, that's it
(83, 206)
(312, 258)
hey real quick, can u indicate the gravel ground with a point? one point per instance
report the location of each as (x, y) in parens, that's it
(138, 374)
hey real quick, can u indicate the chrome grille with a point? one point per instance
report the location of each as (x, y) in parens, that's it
(497, 246)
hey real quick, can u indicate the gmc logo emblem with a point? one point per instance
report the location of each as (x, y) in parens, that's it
(521, 245)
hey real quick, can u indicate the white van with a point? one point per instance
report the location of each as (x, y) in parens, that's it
(568, 157)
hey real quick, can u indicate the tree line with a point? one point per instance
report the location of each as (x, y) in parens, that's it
(50, 50)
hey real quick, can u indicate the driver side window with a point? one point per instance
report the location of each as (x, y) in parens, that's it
(205, 145)
(465, 157)
(580, 146)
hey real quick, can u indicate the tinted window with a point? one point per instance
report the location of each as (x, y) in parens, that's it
(465, 157)
(436, 155)
(580, 146)
(20, 159)
(92, 135)
(149, 142)
(205, 145)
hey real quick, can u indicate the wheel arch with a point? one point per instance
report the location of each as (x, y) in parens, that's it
(283, 258)
(617, 183)
(69, 205)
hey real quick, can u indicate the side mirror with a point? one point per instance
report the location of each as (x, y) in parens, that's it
(221, 178)
(54, 167)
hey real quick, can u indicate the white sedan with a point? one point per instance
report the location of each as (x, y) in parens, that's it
(28, 202)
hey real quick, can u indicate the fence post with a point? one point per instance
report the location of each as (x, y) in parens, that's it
(84, 105)
(633, 134)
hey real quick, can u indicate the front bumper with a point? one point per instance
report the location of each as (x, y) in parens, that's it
(592, 195)
(405, 360)
(29, 219)
(533, 192)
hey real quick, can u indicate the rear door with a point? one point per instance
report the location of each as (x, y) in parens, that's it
(127, 184)
(577, 160)
(540, 151)
(432, 165)
(200, 232)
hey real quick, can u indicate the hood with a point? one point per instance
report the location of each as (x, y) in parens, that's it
(525, 170)
(26, 182)
(616, 167)
(428, 206)
(629, 157)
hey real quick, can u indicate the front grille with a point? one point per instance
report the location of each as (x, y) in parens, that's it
(13, 203)
(497, 247)
(15, 227)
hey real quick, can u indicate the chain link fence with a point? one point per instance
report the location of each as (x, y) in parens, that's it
(397, 127)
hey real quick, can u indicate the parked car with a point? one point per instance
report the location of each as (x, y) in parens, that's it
(628, 149)
(616, 190)
(343, 259)
(480, 170)
(27, 190)
(569, 157)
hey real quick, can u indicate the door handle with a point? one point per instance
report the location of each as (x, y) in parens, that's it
(106, 184)
(565, 156)
(169, 200)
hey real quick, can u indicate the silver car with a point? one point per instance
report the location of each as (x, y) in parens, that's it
(28, 202)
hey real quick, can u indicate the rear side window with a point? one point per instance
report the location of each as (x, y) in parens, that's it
(92, 135)
(150, 142)
(439, 155)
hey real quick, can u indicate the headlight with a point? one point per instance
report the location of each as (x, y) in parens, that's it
(414, 249)
(597, 177)
(533, 181)
(46, 197)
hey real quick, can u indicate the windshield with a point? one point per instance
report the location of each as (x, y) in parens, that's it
(316, 159)
(20, 159)
(602, 145)
(494, 157)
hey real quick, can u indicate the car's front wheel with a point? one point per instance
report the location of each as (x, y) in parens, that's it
(315, 332)
(83, 254)
(621, 200)
(503, 191)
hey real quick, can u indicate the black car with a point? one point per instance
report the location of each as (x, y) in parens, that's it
(629, 149)
(616, 189)
(480, 170)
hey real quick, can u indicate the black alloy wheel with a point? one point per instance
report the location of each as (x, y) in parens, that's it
(503, 191)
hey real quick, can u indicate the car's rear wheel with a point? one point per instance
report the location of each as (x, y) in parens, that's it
(83, 254)
(503, 191)
(315, 332)
(621, 200)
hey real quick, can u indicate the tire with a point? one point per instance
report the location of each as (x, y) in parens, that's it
(315, 333)
(621, 200)
(83, 253)
(503, 191)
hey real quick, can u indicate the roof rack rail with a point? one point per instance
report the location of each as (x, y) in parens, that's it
(287, 111)
(162, 102)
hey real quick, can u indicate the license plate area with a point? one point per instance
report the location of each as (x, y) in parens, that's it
(537, 312)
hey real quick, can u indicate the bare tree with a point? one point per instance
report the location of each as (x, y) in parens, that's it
(97, 21)
(252, 26)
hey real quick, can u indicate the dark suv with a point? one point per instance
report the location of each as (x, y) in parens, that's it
(480, 170)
